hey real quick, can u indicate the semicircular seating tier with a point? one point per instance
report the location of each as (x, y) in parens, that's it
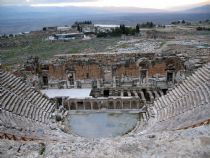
(185, 105)
(23, 110)
(26, 112)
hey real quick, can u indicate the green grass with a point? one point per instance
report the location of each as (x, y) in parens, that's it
(46, 49)
(124, 45)
(42, 148)
(162, 43)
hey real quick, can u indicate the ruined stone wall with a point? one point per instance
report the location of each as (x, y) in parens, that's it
(97, 67)
(57, 72)
(88, 71)
(178, 64)
(130, 70)
(157, 68)
(106, 58)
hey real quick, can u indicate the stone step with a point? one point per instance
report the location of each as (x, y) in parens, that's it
(129, 93)
(170, 99)
(17, 105)
(29, 93)
(182, 90)
(121, 94)
(135, 93)
(31, 97)
(161, 93)
(48, 107)
(18, 90)
(14, 104)
(151, 95)
(142, 96)
(8, 81)
(26, 110)
(8, 121)
(156, 94)
(15, 83)
(36, 97)
(38, 115)
(175, 93)
(38, 100)
(10, 103)
(4, 96)
(204, 73)
(5, 102)
(207, 90)
(21, 90)
(186, 86)
(21, 107)
(31, 112)
(11, 119)
(203, 94)
(52, 108)
(4, 79)
(3, 118)
(207, 69)
(163, 102)
(43, 105)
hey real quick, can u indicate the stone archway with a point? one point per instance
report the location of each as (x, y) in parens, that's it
(125, 93)
(126, 104)
(87, 105)
(110, 105)
(71, 77)
(95, 106)
(141, 105)
(118, 105)
(132, 94)
(80, 105)
(134, 104)
(73, 106)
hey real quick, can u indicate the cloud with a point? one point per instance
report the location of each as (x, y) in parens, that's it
(158, 4)
(18, 2)
(60, 1)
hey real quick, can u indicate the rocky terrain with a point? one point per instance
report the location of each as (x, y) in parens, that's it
(192, 143)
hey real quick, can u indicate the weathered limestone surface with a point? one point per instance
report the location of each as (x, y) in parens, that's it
(95, 66)
(191, 104)
(173, 125)
(190, 143)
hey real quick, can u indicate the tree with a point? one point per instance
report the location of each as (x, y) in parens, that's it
(199, 28)
(147, 25)
(137, 28)
(150, 24)
(122, 28)
(79, 28)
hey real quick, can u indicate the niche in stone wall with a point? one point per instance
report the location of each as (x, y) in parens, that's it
(45, 80)
(169, 76)
(71, 78)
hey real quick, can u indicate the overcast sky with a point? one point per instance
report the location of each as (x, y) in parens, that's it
(157, 4)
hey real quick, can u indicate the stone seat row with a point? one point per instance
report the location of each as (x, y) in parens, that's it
(191, 93)
(187, 102)
(19, 125)
(12, 120)
(180, 91)
(24, 111)
(18, 87)
(19, 106)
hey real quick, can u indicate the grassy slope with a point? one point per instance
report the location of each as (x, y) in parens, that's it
(46, 49)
